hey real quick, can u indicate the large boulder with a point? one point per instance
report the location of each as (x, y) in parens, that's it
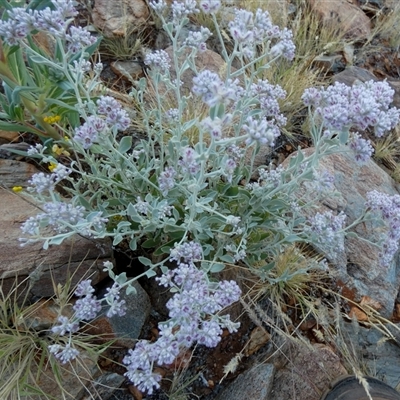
(74, 259)
(347, 18)
(358, 269)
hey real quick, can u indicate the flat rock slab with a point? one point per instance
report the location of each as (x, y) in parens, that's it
(76, 257)
(15, 173)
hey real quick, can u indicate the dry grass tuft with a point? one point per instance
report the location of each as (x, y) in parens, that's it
(385, 26)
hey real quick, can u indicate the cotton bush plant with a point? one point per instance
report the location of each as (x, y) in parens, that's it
(196, 202)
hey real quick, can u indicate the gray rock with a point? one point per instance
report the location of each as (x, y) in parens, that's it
(378, 356)
(125, 329)
(254, 384)
(358, 268)
(105, 387)
(308, 373)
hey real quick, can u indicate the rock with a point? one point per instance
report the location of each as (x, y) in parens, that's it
(343, 16)
(328, 63)
(358, 269)
(9, 136)
(114, 18)
(352, 74)
(6, 150)
(378, 356)
(72, 378)
(255, 384)
(308, 373)
(75, 258)
(258, 338)
(127, 69)
(127, 328)
(105, 387)
(205, 60)
(15, 173)
(43, 315)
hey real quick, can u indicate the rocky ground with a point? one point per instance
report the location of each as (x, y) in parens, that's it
(283, 352)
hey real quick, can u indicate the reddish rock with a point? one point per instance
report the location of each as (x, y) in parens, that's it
(115, 18)
(75, 258)
(344, 16)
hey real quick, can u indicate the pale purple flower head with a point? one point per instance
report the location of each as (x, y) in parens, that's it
(78, 38)
(285, 46)
(210, 6)
(249, 30)
(182, 9)
(197, 40)
(361, 148)
(166, 180)
(84, 288)
(41, 182)
(260, 131)
(212, 90)
(188, 252)
(215, 126)
(87, 307)
(158, 59)
(65, 326)
(158, 5)
(362, 105)
(327, 230)
(64, 354)
(118, 119)
(209, 334)
(107, 104)
(388, 207)
(188, 162)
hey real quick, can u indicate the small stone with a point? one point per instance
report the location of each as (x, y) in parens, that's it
(127, 69)
(258, 338)
(327, 63)
(74, 259)
(9, 136)
(14, 172)
(360, 315)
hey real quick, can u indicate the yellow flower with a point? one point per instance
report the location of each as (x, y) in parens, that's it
(52, 166)
(52, 119)
(57, 150)
(17, 189)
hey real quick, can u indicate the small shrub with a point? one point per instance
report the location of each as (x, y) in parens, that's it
(185, 193)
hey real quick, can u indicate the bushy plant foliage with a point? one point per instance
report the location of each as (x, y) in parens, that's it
(189, 190)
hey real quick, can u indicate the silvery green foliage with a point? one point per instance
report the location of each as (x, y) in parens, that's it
(186, 190)
(170, 188)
